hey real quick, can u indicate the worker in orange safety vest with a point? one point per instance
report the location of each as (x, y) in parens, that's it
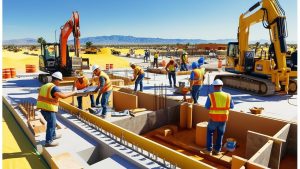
(196, 81)
(218, 103)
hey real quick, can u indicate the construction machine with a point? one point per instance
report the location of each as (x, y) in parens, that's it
(262, 75)
(55, 56)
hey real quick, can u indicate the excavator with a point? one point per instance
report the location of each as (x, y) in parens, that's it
(261, 75)
(55, 56)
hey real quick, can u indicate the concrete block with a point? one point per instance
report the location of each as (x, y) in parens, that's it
(164, 132)
(123, 101)
(117, 82)
(237, 162)
(189, 115)
(183, 109)
(201, 131)
(65, 161)
(37, 126)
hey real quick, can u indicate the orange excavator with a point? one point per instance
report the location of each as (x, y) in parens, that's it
(55, 56)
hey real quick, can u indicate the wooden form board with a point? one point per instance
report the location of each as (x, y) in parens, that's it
(256, 140)
(123, 101)
(237, 162)
(283, 134)
(262, 156)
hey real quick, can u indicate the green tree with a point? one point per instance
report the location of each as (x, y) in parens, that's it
(41, 40)
(88, 44)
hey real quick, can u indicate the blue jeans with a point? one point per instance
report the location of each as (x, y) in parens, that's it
(173, 76)
(50, 117)
(139, 80)
(79, 101)
(212, 126)
(183, 67)
(104, 101)
(196, 89)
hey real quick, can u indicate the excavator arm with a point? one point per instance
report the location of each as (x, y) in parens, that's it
(71, 25)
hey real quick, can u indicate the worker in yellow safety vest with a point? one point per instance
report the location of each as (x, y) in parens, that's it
(218, 103)
(138, 76)
(80, 83)
(47, 102)
(155, 62)
(184, 61)
(171, 68)
(196, 81)
(104, 88)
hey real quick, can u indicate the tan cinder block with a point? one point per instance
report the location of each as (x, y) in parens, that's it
(117, 82)
(183, 109)
(172, 127)
(189, 115)
(123, 101)
(168, 132)
(201, 130)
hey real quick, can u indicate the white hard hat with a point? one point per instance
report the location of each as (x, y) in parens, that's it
(57, 75)
(217, 82)
(95, 67)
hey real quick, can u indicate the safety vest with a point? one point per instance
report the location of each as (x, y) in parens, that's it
(171, 67)
(184, 58)
(198, 77)
(107, 86)
(156, 55)
(202, 70)
(220, 105)
(45, 101)
(138, 71)
(82, 85)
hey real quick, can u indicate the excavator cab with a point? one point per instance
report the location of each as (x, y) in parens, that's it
(48, 61)
(232, 55)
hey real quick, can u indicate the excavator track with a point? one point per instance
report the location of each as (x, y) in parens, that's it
(250, 84)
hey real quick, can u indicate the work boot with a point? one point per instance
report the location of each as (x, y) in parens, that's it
(170, 85)
(57, 136)
(216, 153)
(206, 152)
(103, 116)
(52, 144)
(175, 86)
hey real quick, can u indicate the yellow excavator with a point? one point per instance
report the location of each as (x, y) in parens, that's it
(257, 74)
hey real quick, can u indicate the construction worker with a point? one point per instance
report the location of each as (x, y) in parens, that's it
(155, 62)
(218, 103)
(196, 81)
(104, 88)
(47, 101)
(80, 83)
(171, 69)
(138, 76)
(184, 62)
(200, 64)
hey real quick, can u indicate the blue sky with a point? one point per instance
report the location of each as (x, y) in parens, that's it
(197, 19)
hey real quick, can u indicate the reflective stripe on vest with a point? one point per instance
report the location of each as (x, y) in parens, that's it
(220, 105)
(198, 77)
(82, 85)
(138, 70)
(107, 86)
(45, 101)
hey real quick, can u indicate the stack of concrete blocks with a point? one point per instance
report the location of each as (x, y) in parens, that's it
(186, 111)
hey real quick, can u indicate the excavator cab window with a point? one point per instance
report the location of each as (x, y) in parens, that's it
(50, 53)
(233, 49)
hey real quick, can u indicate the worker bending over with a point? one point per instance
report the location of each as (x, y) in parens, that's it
(196, 81)
(138, 76)
(104, 88)
(184, 62)
(218, 103)
(80, 83)
(155, 62)
(171, 69)
(47, 101)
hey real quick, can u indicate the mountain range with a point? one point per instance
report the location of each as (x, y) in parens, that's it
(120, 39)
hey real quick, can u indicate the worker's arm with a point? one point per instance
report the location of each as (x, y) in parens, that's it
(58, 94)
(167, 66)
(74, 85)
(101, 83)
(207, 104)
(135, 74)
(192, 78)
(231, 104)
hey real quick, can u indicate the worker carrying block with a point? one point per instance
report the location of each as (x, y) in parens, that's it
(171, 69)
(196, 81)
(104, 88)
(218, 103)
(47, 101)
(82, 82)
(138, 76)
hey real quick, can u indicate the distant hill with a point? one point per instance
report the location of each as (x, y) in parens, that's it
(24, 41)
(120, 39)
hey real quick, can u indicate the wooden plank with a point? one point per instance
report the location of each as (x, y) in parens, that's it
(262, 156)
(123, 101)
(237, 162)
(252, 165)
(283, 134)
